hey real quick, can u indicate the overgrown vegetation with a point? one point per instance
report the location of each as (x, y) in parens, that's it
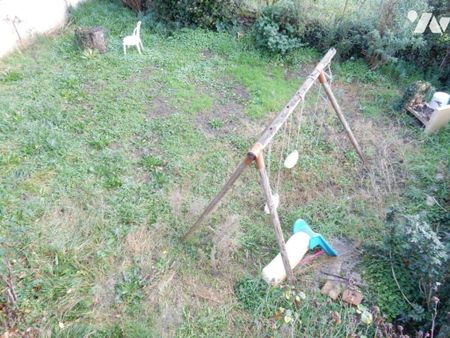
(202, 13)
(106, 159)
(413, 263)
(291, 311)
(376, 31)
(277, 28)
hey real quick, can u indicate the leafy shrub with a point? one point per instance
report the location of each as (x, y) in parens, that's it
(277, 28)
(417, 244)
(204, 13)
(390, 35)
(382, 288)
(135, 5)
(349, 38)
(414, 260)
(408, 271)
(433, 57)
(378, 40)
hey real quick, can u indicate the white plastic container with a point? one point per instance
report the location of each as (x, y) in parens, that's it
(291, 160)
(439, 100)
(297, 246)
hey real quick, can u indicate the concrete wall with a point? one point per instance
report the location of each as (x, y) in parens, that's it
(26, 18)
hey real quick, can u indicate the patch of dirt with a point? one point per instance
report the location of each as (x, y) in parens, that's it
(225, 243)
(207, 54)
(184, 205)
(240, 92)
(159, 108)
(383, 144)
(175, 290)
(227, 115)
(348, 97)
(104, 296)
(142, 75)
(62, 223)
(170, 319)
(176, 201)
(298, 74)
(341, 268)
(197, 206)
(139, 242)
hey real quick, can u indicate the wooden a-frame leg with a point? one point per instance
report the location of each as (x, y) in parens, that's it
(274, 215)
(249, 159)
(341, 116)
(214, 202)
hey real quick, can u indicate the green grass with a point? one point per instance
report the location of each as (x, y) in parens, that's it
(97, 185)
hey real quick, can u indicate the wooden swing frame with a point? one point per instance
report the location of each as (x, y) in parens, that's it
(256, 155)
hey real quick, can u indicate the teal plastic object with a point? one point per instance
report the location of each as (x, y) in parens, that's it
(316, 239)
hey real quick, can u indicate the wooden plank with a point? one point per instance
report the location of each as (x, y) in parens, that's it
(274, 215)
(417, 116)
(341, 116)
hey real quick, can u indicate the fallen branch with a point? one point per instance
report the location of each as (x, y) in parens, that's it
(10, 295)
(396, 281)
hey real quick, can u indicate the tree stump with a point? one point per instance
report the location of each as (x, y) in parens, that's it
(92, 38)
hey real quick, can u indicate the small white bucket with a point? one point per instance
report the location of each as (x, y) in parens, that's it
(439, 100)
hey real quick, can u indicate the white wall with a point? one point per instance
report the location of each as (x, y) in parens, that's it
(30, 17)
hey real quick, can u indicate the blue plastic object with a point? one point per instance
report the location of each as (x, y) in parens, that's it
(316, 239)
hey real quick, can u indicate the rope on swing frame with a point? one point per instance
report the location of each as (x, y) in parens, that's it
(287, 136)
(283, 143)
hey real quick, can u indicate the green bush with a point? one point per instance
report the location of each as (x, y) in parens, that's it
(276, 30)
(413, 239)
(203, 13)
(411, 266)
(349, 38)
(426, 256)
(433, 57)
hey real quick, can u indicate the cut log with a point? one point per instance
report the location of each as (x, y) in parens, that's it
(92, 38)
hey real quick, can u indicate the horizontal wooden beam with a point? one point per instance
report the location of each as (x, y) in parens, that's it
(264, 140)
(269, 133)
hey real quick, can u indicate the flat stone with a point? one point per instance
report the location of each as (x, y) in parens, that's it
(331, 289)
(352, 297)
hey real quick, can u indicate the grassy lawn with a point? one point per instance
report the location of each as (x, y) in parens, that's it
(105, 161)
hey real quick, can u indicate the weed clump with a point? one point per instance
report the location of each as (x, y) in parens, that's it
(276, 30)
(411, 270)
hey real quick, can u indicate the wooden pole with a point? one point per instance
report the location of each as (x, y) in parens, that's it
(274, 215)
(227, 186)
(265, 137)
(341, 116)
(283, 116)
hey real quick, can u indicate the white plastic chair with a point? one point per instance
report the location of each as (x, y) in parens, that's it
(134, 40)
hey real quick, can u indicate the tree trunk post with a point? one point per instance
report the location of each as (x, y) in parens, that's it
(274, 215)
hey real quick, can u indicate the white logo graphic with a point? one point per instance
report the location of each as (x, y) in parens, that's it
(429, 20)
